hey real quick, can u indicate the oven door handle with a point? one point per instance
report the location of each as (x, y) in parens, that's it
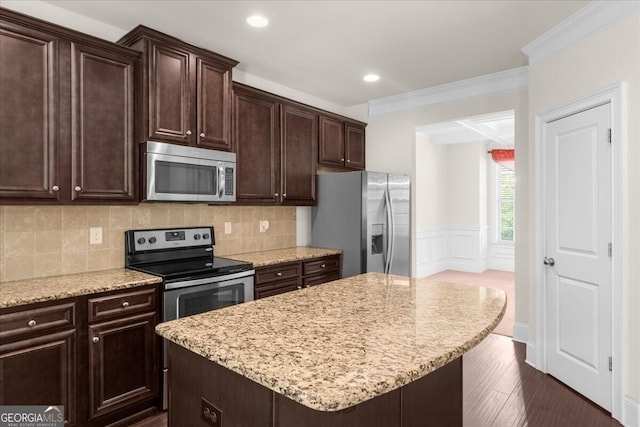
(178, 284)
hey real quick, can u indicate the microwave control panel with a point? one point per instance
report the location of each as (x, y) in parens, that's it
(228, 181)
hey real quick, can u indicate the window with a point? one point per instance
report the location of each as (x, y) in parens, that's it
(506, 204)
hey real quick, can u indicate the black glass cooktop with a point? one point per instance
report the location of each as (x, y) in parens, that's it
(205, 266)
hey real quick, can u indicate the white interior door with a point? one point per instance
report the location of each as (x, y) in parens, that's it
(577, 167)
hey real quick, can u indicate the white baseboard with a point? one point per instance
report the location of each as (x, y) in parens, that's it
(520, 332)
(531, 354)
(630, 412)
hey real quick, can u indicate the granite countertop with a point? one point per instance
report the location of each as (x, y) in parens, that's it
(333, 346)
(22, 292)
(278, 256)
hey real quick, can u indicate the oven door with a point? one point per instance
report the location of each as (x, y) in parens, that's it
(185, 298)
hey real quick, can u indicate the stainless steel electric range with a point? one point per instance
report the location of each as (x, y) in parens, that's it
(194, 280)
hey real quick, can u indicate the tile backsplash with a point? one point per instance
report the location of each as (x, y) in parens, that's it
(37, 241)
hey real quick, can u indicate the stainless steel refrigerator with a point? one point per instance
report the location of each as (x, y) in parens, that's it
(367, 215)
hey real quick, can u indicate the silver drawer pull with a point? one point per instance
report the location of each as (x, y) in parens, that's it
(31, 323)
(95, 339)
(188, 132)
(278, 274)
(55, 188)
(202, 135)
(125, 304)
(299, 287)
(78, 188)
(323, 266)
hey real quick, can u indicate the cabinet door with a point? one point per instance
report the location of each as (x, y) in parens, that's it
(40, 371)
(102, 138)
(256, 142)
(123, 363)
(214, 105)
(354, 147)
(28, 106)
(170, 95)
(331, 142)
(299, 155)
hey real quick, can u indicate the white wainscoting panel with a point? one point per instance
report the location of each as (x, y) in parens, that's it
(502, 257)
(451, 248)
(520, 332)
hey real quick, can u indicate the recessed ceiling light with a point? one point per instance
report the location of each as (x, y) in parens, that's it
(371, 78)
(257, 21)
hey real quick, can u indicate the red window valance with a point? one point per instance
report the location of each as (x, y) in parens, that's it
(504, 158)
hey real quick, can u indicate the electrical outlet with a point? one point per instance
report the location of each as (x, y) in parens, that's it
(95, 235)
(210, 414)
(227, 228)
(264, 225)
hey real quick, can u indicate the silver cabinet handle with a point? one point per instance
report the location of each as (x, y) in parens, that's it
(95, 339)
(284, 195)
(549, 261)
(348, 161)
(276, 195)
(202, 135)
(342, 159)
(299, 287)
(278, 274)
(78, 188)
(31, 323)
(125, 304)
(323, 266)
(188, 132)
(55, 188)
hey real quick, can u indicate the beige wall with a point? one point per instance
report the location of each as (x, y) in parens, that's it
(432, 199)
(601, 60)
(392, 147)
(51, 240)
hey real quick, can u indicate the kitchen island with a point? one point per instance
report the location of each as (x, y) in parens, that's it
(368, 350)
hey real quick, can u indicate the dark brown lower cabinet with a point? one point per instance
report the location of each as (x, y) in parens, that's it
(195, 383)
(97, 355)
(40, 371)
(285, 277)
(123, 363)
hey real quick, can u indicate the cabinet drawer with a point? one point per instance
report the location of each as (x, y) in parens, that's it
(277, 288)
(122, 304)
(323, 278)
(277, 273)
(322, 265)
(28, 322)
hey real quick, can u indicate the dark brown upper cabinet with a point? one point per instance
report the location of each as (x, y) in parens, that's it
(66, 116)
(185, 91)
(299, 161)
(275, 141)
(256, 139)
(341, 144)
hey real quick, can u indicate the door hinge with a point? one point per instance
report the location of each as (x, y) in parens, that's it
(609, 136)
(610, 250)
(610, 364)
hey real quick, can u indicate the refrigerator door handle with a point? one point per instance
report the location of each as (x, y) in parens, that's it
(392, 234)
(389, 248)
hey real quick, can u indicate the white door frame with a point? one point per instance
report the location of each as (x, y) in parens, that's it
(614, 95)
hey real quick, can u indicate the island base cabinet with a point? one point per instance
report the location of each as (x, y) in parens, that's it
(197, 384)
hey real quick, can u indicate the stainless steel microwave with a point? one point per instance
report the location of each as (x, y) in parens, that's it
(176, 173)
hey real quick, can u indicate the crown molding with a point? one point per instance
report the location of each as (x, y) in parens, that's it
(592, 18)
(456, 91)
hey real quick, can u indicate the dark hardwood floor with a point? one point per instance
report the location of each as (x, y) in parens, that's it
(501, 390)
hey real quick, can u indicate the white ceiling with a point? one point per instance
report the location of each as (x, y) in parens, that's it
(495, 129)
(323, 48)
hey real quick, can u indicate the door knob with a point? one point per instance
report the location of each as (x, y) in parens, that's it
(549, 261)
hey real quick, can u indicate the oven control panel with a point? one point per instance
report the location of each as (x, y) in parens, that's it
(171, 238)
